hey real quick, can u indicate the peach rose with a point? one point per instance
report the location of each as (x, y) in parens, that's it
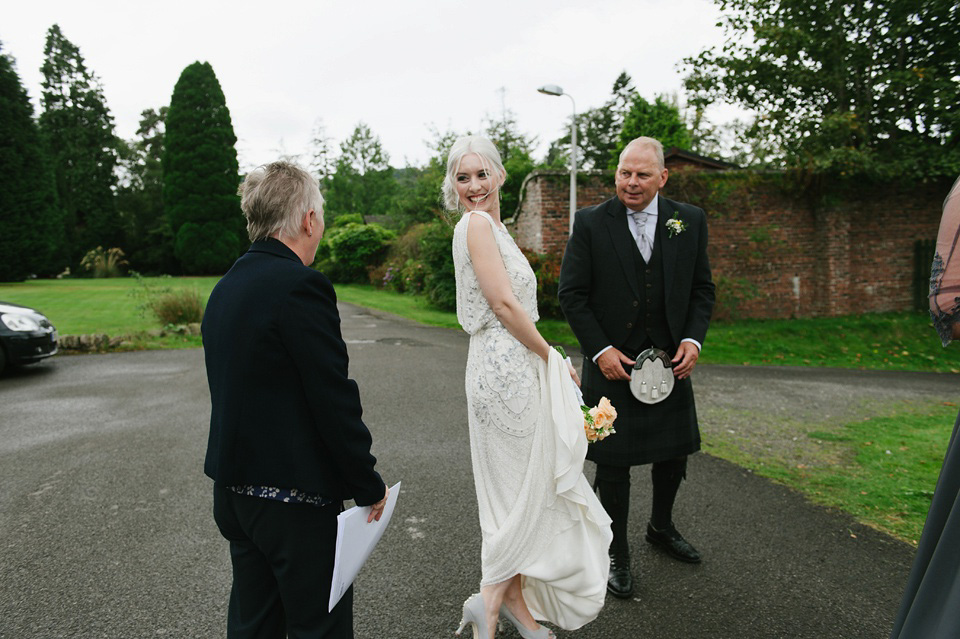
(605, 434)
(604, 414)
(592, 434)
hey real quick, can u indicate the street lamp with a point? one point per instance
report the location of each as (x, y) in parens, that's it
(552, 89)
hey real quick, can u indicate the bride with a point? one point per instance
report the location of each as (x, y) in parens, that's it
(545, 534)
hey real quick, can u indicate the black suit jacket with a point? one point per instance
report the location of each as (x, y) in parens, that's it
(599, 292)
(284, 411)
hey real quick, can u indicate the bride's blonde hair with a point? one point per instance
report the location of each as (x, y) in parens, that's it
(489, 159)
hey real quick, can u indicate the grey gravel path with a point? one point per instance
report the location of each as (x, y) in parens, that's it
(105, 525)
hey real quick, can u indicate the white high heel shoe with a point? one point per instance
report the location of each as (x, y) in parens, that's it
(474, 614)
(540, 633)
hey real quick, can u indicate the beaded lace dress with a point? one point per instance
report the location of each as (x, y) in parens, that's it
(538, 516)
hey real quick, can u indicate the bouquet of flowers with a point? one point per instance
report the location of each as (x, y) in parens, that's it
(597, 421)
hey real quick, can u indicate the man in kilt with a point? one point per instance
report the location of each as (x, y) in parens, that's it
(635, 275)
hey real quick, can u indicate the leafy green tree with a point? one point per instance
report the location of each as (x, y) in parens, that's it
(660, 120)
(31, 230)
(845, 86)
(744, 143)
(201, 174)
(362, 181)
(440, 280)
(78, 129)
(149, 238)
(516, 150)
(417, 196)
(363, 152)
(598, 131)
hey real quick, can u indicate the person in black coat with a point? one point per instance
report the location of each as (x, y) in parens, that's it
(635, 275)
(287, 444)
(930, 607)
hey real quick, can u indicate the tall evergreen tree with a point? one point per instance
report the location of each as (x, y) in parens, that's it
(321, 151)
(30, 218)
(78, 129)
(201, 174)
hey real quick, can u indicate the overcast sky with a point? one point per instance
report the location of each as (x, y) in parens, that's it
(400, 67)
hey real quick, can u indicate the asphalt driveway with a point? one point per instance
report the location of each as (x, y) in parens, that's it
(106, 531)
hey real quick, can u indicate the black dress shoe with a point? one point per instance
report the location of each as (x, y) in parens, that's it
(620, 583)
(673, 542)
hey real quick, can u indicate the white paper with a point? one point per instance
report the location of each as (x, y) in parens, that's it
(356, 540)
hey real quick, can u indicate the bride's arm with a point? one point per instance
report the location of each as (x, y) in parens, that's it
(495, 286)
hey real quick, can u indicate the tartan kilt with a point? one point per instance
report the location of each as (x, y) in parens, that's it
(646, 433)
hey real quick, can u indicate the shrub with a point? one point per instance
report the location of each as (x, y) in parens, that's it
(346, 218)
(413, 276)
(167, 304)
(180, 306)
(437, 256)
(402, 270)
(348, 252)
(101, 263)
(407, 246)
(381, 275)
(546, 266)
(408, 277)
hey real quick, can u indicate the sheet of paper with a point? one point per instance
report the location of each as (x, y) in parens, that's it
(356, 540)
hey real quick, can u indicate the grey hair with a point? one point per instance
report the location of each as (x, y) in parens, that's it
(650, 143)
(274, 197)
(489, 159)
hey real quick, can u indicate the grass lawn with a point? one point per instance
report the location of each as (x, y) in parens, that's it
(109, 305)
(890, 490)
(880, 341)
(883, 341)
(880, 469)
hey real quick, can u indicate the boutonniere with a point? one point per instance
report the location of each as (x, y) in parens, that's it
(675, 225)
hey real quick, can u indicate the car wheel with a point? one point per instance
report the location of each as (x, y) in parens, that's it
(3, 359)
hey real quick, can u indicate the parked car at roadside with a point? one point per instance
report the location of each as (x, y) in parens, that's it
(26, 336)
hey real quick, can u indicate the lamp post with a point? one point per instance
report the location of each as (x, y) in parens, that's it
(552, 89)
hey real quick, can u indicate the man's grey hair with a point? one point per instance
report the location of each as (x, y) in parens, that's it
(650, 143)
(274, 197)
(489, 159)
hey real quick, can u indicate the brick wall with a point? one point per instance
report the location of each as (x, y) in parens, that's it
(776, 250)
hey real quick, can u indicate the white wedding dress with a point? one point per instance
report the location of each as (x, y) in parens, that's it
(538, 516)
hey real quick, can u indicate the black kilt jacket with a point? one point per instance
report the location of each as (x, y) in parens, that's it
(600, 296)
(284, 411)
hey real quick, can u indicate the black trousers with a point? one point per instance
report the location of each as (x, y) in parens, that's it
(283, 557)
(613, 486)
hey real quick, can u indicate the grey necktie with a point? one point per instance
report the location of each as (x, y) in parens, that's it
(643, 242)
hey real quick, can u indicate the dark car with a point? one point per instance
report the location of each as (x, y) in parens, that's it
(26, 336)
